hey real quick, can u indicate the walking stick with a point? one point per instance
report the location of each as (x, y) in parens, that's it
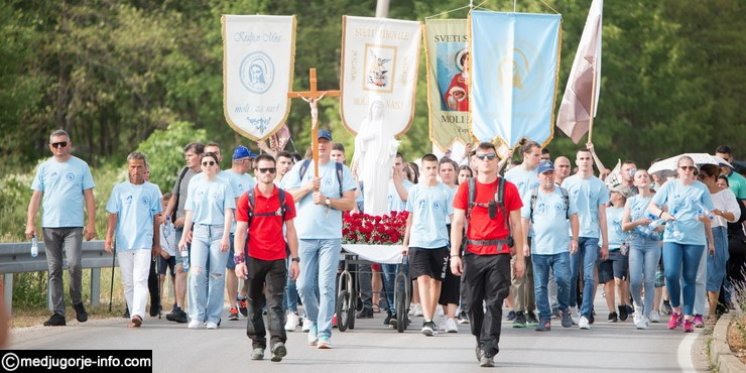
(113, 260)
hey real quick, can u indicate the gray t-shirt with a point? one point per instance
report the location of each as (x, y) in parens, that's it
(182, 190)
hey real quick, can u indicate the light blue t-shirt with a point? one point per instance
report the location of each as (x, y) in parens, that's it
(587, 194)
(614, 227)
(209, 200)
(684, 203)
(317, 222)
(525, 181)
(240, 183)
(429, 206)
(550, 223)
(136, 206)
(638, 209)
(62, 185)
(395, 202)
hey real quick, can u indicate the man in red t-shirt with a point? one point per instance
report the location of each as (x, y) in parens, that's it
(486, 262)
(262, 261)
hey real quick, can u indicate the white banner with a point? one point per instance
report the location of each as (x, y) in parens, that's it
(258, 57)
(380, 57)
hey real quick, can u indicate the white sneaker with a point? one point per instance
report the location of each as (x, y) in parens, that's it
(583, 323)
(306, 325)
(211, 325)
(574, 315)
(642, 323)
(292, 321)
(451, 326)
(194, 324)
(418, 310)
(637, 317)
(655, 316)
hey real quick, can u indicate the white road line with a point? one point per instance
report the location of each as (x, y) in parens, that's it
(684, 353)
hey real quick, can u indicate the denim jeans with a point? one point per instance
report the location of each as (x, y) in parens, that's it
(290, 297)
(676, 256)
(716, 264)
(389, 277)
(560, 265)
(586, 256)
(206, 295)
(319, 260)
(643, 262)
(700, 295)
(71, 241)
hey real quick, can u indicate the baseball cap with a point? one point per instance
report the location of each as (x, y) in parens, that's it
(241, 152)
(545, 166)
(325, 134)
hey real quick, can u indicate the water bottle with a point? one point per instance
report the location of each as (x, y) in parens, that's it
(185, 260)
(34, 246)
(705, 212)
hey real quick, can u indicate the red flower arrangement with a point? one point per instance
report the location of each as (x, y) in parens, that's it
(360, 228)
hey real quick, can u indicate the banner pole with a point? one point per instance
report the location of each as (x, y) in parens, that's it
(593, 103)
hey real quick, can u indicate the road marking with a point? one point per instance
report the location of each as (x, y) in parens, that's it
(684, 353)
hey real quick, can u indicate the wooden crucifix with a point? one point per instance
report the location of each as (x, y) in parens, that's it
(312, 97)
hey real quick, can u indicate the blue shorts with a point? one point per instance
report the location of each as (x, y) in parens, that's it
(613, 267)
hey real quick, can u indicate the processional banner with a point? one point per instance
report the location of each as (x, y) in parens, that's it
(515, 62)
(258, 58)
(380, 58)
(447, 51)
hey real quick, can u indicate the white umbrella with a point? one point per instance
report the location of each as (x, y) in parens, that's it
(670, 164)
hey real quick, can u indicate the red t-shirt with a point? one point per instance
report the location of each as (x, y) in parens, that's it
(266, 240)
(479, 225)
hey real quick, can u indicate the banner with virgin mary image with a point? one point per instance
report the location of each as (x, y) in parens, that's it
(258, 58)
(447, 51)
(515, 62)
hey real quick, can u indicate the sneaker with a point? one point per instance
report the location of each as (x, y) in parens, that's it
(642, 323)
(243, 307)
(278, 352)
(427, 329)
(233, 314)
(177, 315)
(257, 354)
(55, 320)
(313, 334)
(462, 318)
(520, 320)
(623, 313)
(688, 326)
(306, 325)
(583, 323)
(674, 321)
(80, 314)
(135, 322)
(324, 344)
(592, 317)
(566, 319)
(393, 322)
(556, 314)
(655, 316)
(292, 321)
(450, 326)
(574, 315)
(211, 325)
(194, 324)
(613, 317)
(365, 313)
(698, 321)
(544, 326)
(417, 310)
(531, 318)
(666, 308)
(511, 315)
(387, 319)
(485, 361)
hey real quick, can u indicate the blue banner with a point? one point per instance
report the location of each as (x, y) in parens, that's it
(515, 61)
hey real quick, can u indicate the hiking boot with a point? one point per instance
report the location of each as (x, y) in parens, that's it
(544, 326)
(613, 317)
(243, 307)
(177, 315)
(566, 319)
(257, 354)
(531, 318)
(623, 313)
(520, 320)
(55, 320)
(80, 314)
(278, 352)
(233, 314)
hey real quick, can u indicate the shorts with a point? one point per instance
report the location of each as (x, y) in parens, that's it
(613, 267)
(451, 288)
(164, 264)
(231, 264)
(428, 262)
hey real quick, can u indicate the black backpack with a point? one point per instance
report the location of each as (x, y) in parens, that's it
(496, 203)
(535, 195)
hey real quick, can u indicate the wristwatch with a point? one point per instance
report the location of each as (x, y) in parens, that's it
(328, 202)
(296, 259)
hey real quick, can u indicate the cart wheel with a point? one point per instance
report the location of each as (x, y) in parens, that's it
(351, 315)
(401, 307)
(344, 309)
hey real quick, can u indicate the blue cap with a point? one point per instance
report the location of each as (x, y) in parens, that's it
(545, 166)
(242, 152)
(325, 134)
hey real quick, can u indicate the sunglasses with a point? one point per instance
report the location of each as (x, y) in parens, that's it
(60, 144)
(489, 156)
(688, 168)
(208, 163)
(270, 170)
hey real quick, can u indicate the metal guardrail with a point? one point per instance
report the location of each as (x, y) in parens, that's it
(16, 258)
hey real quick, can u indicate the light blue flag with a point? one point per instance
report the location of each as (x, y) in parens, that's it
(515, 63)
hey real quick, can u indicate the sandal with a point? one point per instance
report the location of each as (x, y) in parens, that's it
(376, 309)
